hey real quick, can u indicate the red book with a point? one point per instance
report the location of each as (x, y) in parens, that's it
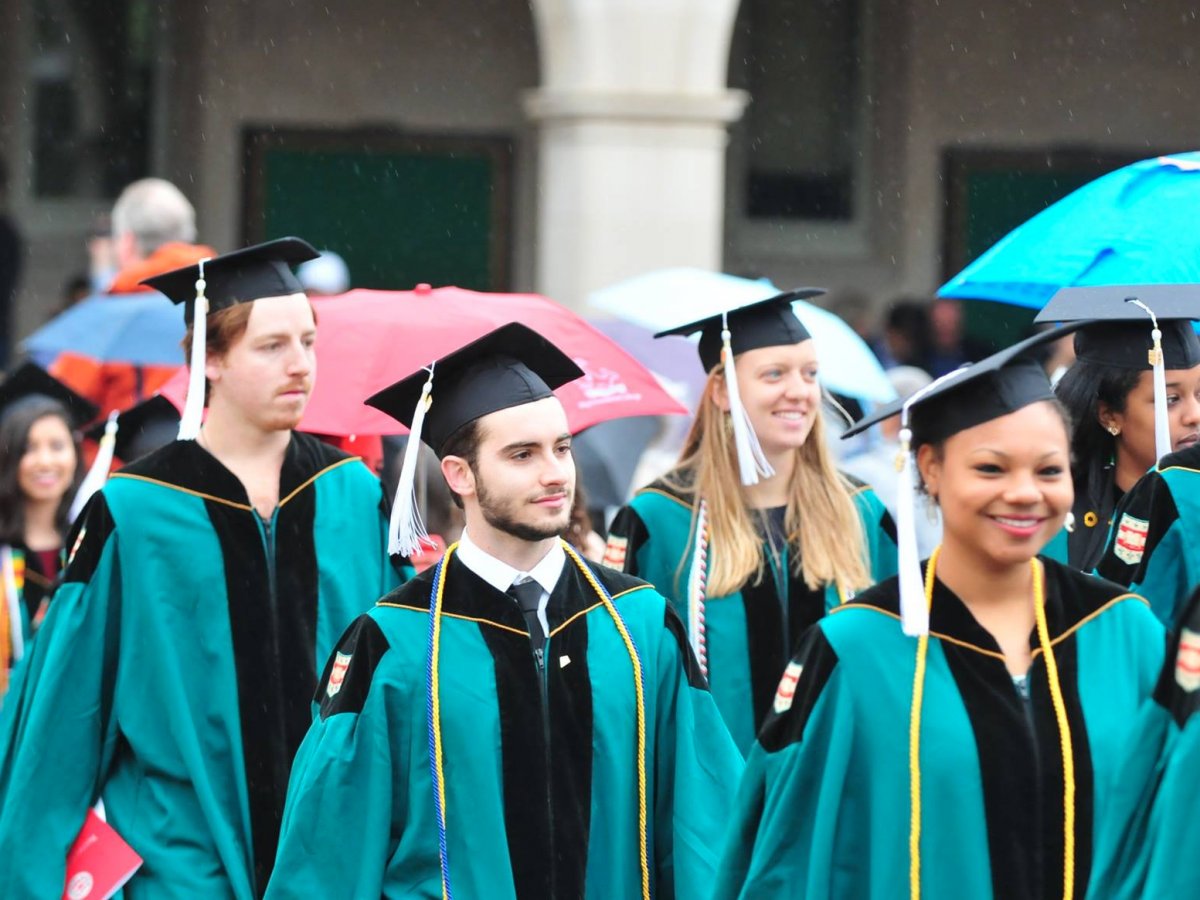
(99, 863)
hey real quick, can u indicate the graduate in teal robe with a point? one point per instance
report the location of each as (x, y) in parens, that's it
(515, 722)
(1153, 544)
(1150, 852)
(752, 631)
(174, 673)
(676, 532)
(959, 731)
(40, 419)
(1120, 429)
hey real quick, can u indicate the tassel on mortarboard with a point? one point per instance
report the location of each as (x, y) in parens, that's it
(914, 611)
(1162, 425)
(97, 475)
(193, 410)
(752, 462)
(406, 528)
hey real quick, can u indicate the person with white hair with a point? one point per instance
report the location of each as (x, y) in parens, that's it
(154, 231)
(326, 275)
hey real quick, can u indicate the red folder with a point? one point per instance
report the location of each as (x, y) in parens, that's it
(99, 863)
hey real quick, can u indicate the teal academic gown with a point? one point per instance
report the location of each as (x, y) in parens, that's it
(1152, 852)
(540, 764)
(1154, 543)
(750, 634)
(174, 673)
(823, 809)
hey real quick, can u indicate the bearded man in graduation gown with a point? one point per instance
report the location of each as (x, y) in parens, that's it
(174, 673)
(516, 721)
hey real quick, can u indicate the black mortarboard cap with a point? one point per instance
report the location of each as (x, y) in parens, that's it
(251, 273)
(30, 380)
(993, 387)
(1117, 331)
(763, 323)
(510, 366)
(143, 428)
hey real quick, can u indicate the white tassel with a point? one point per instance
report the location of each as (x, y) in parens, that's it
(697, 587)
(193, 409)
(914, 613)
(97, 475)
(1162, 425)
(752, 462)
(406, 529)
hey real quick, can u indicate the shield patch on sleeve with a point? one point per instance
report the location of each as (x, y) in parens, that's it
(614, 552)
(337, 674)
(1130, 544)
(786, 692)
(1187, 661)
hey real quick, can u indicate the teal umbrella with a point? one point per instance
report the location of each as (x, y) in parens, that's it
(1136, 225)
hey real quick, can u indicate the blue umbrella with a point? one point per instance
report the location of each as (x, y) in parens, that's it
(1136, 225)
(140, 329)
(667, 297)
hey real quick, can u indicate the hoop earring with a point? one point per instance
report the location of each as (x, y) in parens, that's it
(1069, 523)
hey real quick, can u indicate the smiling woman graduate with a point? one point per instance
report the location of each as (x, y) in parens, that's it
(968, 750)
(39, 472)
(754, 534)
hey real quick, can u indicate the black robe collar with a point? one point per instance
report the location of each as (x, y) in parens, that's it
(1072, 598)
(186, 466)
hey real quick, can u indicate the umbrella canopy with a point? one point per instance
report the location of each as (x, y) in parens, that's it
(1136, 225)
(607, 455)
(367, 340)
(668, 297)
(140, 329)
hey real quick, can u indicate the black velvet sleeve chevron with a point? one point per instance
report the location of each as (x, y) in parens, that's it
(691, 666)
(626, 536)
(87, 539)
(1175, 691)
(817, 660)
(357, 655)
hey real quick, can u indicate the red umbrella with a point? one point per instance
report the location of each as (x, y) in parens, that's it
(368, 339)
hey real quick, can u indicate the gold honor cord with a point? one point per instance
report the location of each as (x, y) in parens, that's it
(1060, 714)
(435, 712)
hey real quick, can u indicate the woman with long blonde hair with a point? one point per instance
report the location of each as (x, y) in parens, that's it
(754, 534)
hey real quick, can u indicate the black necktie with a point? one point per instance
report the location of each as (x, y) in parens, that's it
(528, 595)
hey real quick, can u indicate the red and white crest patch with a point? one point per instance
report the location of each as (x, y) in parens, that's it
(1130, 544)
(1187, 661)
(78, 543)
(341, 662)
(614, 552)
(786, 692)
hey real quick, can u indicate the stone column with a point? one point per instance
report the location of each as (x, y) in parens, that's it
(632, 116)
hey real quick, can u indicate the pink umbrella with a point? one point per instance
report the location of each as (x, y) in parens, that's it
(369, 339)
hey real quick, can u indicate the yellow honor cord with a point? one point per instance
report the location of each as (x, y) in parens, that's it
(436, 703)
(1060, 714)
(914, 744)
(1064, 731)
(639, 690)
